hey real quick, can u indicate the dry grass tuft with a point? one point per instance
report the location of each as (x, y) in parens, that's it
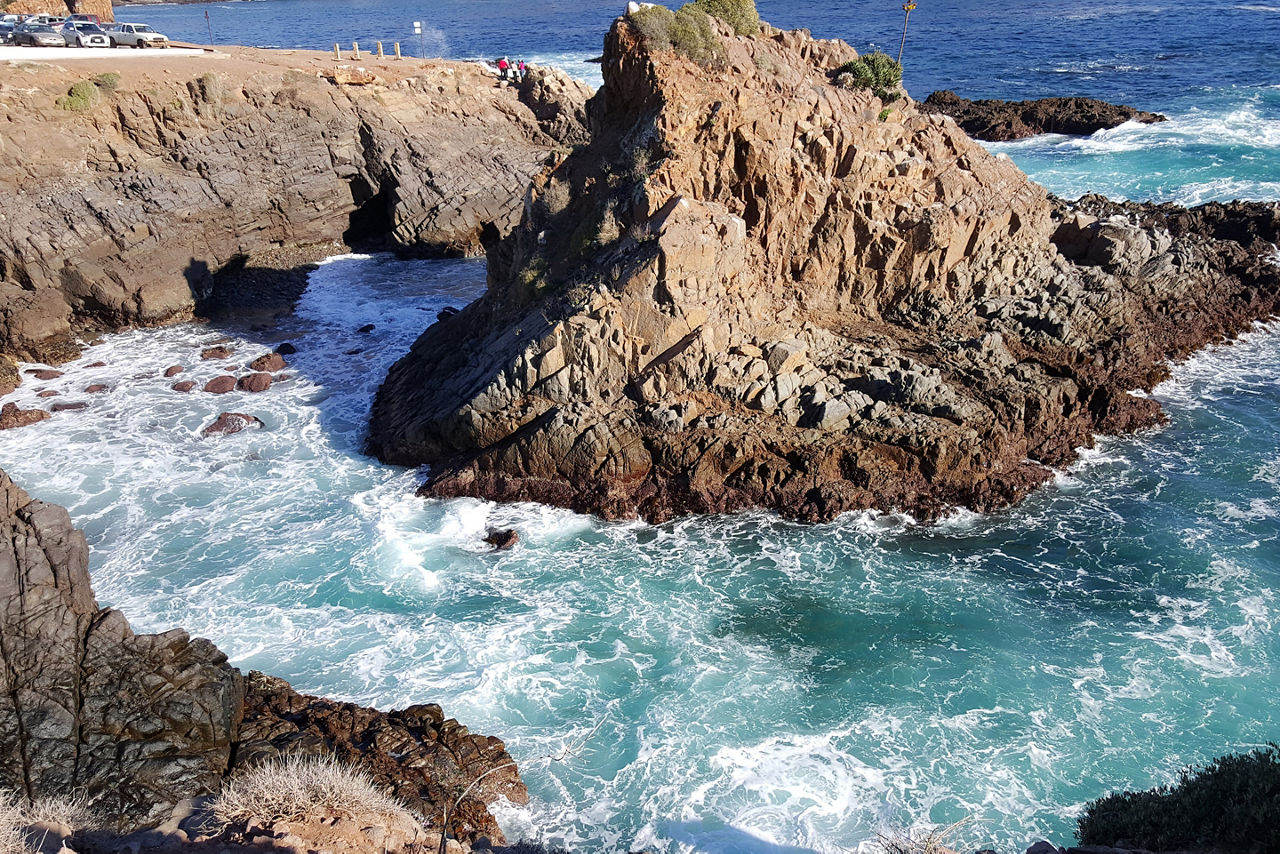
(935, 840)
(296, 787)
(17, 815)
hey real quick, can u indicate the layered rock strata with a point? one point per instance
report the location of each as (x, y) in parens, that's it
(141, 723)
(120, 214)
(999, 121)
(756, 288)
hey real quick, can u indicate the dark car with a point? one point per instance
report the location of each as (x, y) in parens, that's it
(38, 35)
(6, 32)
(84, 34)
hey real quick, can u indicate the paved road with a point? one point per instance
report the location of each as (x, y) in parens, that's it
(14, 53)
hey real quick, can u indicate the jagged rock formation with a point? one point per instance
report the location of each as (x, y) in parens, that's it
(120, 215)
(136, 721)
(139, 723)
(758, 289)
(101, 8)
(998, 121)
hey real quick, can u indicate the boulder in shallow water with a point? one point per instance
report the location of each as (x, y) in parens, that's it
(11, 416)
(269, 362)
(220, 351)
(256, 382)
(502, 539)
(173, 371)
(220, 385)
(232, 422)
(73, 406)
(184, 385)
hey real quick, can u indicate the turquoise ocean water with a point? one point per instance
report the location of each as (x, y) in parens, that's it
(739, 683)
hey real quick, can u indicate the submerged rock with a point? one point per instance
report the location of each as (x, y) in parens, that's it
(502, 539)
(761, 289)
(232, 422)
(997, 121)
(255, 382)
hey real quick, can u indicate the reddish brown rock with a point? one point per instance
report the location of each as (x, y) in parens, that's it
(232, 422)
(173, 371)
(97, 388)
(47, 393)
(269, 362)
(184, 385)
(96, 365)
(43, 373)
(221, 351)
(788, 297)
(11, 416)
(220, 385)
(73, 406)
(254, 382)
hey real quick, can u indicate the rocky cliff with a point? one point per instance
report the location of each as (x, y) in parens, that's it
(757, 288)
(140, 723)
(119, 204)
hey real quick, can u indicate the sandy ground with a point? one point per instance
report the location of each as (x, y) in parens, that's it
(13, 53)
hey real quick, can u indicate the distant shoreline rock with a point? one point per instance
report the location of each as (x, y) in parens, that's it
(1000, 121)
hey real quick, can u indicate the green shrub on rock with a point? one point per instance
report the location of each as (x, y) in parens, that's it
(654, 24)
(108, 81)
(80, 97)
(876, 71)
(1233, 803)
(739, 14)
(693, 35)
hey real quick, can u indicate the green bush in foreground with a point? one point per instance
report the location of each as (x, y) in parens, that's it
(1232, 803)
(876, 71)
(108, 81)
(739, 14)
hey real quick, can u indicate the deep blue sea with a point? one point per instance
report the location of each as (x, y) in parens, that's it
(736, 683)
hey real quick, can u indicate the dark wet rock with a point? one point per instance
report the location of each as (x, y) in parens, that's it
(269, 362)
(366, 329)
(96, 388)
(96, 365)
(173, 371)
(502, 539)
(286, 349)
(11, 416)
(355, 352)
(1005, 120)
(43, 373)
(220, 385)
(256, 382)
(221, 351)
(136, 722)
(232, 422)
(421, 756)
(445, 313)
(184, 385)
(74, 406)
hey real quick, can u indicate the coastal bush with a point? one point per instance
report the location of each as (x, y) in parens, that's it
(82, 96)
(298, 786)
(934, 840)
(876, 71)
(108, 81)
(693, 35)
(17, 815)
(739, 14)
(654, 24)
(1233, 803)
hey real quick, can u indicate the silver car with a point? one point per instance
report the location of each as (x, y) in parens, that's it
(84, 34)
(38, 35)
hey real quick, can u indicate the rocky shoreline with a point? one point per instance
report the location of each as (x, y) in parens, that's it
(761, 289)
(1001, 121)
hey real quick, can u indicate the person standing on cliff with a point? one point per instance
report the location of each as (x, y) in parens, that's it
(521, 71)
(503, 65)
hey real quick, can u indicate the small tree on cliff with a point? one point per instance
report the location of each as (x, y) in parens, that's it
(877, 71)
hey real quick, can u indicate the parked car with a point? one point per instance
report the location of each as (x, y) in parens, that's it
(84, 34)
(79, 16)
(6, 32)
(38, 35)
(136, 35)
(48, 20)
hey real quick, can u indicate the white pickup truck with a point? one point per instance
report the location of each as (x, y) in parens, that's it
(136, 35)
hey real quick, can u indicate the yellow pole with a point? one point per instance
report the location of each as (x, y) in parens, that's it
(906, 7)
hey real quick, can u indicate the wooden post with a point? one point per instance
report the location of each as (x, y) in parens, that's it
(355, 51)
(397, 50)
(380, 54)
(337, 54)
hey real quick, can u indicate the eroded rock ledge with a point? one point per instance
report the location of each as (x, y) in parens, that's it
(140, 723)
(753, 290)
(120, 214)
(999, 121)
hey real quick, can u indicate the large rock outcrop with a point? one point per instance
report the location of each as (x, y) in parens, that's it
(756, 288)
(998, 121)
(139, 723)
(120, 214)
